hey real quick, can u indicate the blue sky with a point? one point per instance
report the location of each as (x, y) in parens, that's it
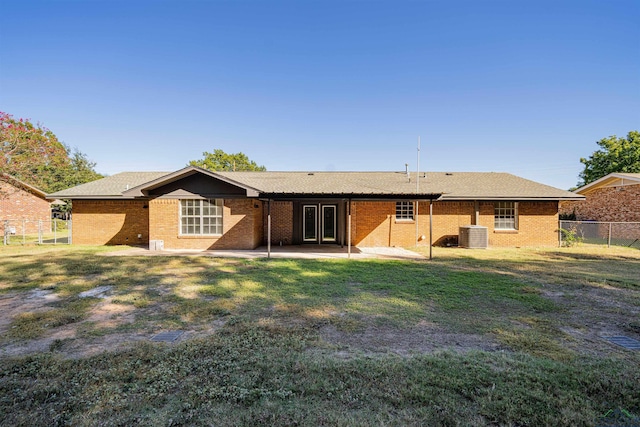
(510, 86)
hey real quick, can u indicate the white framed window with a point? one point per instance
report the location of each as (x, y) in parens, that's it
(505, 215)
(201, 217)
(404, 211)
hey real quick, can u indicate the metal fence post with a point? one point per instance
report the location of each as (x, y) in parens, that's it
(6, 232)
(40, 231)
(24, 231)
(69, 234)
(559, 234)
(609, 239)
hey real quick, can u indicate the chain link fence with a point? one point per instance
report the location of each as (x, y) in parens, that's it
(43, 232)
(600, 233)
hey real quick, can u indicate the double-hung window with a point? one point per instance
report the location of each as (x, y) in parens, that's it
(506, 216)
(201, 217)
(404, 211)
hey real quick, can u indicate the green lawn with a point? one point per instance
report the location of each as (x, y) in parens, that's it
(493, 337)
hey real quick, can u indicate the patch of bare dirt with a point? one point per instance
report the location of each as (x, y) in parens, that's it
(104, 318)
(13, 304)
(421, 338)
(110, 315)
(590, 313)
(22, 347)
(586, 315)
(86, 347)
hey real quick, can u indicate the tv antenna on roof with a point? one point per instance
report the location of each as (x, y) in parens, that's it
(417, 192)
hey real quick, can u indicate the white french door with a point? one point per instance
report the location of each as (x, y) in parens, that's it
(319, 227)
(310, 223)
(328, 223)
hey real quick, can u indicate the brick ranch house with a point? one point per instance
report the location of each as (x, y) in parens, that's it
(612, 198)
(22, 205)
(194, 208)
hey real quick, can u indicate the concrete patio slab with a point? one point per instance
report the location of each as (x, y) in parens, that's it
(290, 251)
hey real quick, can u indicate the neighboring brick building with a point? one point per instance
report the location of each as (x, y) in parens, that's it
(23, 206)
(613, 198)
(197, 209)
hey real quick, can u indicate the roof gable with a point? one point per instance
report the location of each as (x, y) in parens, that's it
(611, 180)
(192, 180)
(15, 182)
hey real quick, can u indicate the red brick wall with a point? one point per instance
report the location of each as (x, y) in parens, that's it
(617, 204)
(22, 207)
(110, 222)
(374, 224)
(239, 226)
(281, 223)
(448, 217)
(537, 225)
(258, 224)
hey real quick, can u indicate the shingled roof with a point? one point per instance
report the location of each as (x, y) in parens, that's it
(452, 186)
(110, 187)
(332, 183)
(494, 186)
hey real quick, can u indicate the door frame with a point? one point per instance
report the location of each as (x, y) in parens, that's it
(319, 226)
(316, 238)
(321, 236)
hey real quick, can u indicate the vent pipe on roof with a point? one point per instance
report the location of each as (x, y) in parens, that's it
(406, 170)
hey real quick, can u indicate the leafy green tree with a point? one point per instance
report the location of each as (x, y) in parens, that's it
(221, 161)
(79, 171)
(616, 155)
(33, 154)
(29, 152)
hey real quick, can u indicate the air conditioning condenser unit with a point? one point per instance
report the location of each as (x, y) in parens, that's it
(473, 237)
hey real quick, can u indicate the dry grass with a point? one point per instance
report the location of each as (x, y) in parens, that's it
(474, 337)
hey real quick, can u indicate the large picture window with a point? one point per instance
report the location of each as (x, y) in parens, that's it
(404, 210)
(506, 216)
(201, 217)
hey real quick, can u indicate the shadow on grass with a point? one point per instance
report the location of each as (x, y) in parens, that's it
(258, 373)
(459, 291)
(570, 266)
(182, 291)
(250, 376)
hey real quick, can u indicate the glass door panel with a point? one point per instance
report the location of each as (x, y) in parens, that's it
(309, 223)
(329, 223)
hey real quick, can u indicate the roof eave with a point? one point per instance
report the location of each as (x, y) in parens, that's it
(90, 197)
(516, 199)
(353, 196)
